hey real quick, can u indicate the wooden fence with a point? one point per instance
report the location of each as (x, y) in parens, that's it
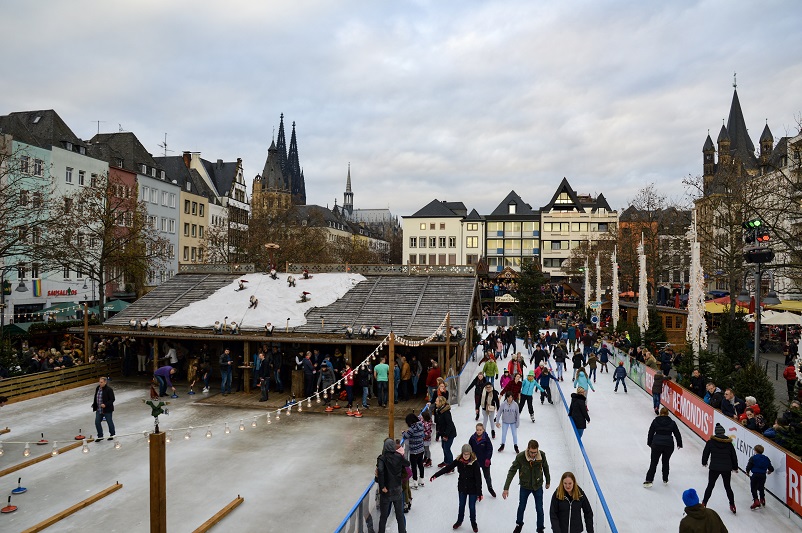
(42, 383)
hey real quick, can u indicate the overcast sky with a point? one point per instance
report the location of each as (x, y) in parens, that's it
(455, 100)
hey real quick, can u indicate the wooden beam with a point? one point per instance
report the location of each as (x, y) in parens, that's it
(25, 464)
(158, 483)
(74, 509)
(4, 431)
(219, 515)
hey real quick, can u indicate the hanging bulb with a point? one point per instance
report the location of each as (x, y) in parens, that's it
(268, 419)
(338, 385)
(309, 403)
(188, 434)
(209, 433)
(54, 452)
(2, 452)
(117, 444)
(228, 429)
(278, 415)
(299, 407)
(253, 424)
(85, 447)
(27, 451)
(169, 436)
(241, 425)
(317, 399)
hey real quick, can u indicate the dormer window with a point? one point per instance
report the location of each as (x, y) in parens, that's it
(164, 174)
(120, 163)
(143, 168)
(153, 172)
(512, 208)
(68, 146)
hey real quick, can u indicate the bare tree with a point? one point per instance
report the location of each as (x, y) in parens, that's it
(102, 231)
(301, 238)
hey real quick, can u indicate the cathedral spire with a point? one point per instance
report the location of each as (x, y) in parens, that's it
(294, 169)
(348, 197)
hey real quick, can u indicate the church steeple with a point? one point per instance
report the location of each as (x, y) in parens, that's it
(281, 146)
(766, 144)
(348, 197)
(294, 170)
(709, 152)
(741, 145)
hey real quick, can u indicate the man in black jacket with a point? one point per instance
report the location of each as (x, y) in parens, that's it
(723, 462)
(264, 377)
(389, 472)
(103, 405)
(697, 383)
(731, 405)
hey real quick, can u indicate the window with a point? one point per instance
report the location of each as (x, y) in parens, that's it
(23, 233)
(81, 177)
(200, 232)
(512, 246)
(23, 197)
(421, 259)
(555, 226)
(24, 164)
(154, 196)
(200, 210)
(67, 205)
(452, 242)
(68, 175)
(432, 259)
(200, 255)
(512, 208)
(432, 242)
(472, 242)
(563, 198)
(194, 253)
(36, 235)
(194, 208)
(530, 228)
(579, 226)
(495, 228)
(529, 246)
(442, 226)
(172, 225)
(152, 221)
(66, 272)
(441, 242)
(413, 259)
(79, 274)
(194, 230)
(471, 259)
(186, 253)
(38, 167)
(441, 259)
(145, 193)
(678, 322)
(559, 245)
(186, 229)
(37, 199)
(472, 226)
(164, 198)
(495, 245)
(432, 226)
(423, 226)
(164, 224)
(413, 242)
(669, 322)
(171, 251)
(186, 206)
(452, 259)
(172, 200)
(35, 270)
(422, 244)
(512, 229)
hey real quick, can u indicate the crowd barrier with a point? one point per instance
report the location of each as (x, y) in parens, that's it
(786, 482)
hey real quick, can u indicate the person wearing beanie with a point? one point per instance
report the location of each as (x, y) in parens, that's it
(414, 435)
(660, 439)
(545, 387)
(620, 376)
(720, 451)
(389, 475)
(469, 483)
(698, 517)
(532, 467)
(657, 389)
(527, 391)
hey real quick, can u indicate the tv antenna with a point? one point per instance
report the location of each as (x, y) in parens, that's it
(99, 122)
(163, 146)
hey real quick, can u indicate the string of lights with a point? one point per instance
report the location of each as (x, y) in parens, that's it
(270, 418)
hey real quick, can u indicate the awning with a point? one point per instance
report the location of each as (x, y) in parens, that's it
(115, 306)
(787, 305)
(782, 319)
(715, 308)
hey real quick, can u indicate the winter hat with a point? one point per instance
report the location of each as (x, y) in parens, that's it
(690, 498)
(620, 363)
(467, 448)
(720, 430)
(531, 373)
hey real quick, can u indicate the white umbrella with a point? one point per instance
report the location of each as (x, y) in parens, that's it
(614, 309)
(780, 319)
(643, 312)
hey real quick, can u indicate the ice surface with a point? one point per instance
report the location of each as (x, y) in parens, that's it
(277, 301)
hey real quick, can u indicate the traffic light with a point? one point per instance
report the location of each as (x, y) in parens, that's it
(758, 254)
(763, 237)
(752, 224)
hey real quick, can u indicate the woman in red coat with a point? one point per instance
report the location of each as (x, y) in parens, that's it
(514, 387)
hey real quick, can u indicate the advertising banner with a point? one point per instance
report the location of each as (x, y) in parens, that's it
(689, 408)
(745, 442)
(793, 476)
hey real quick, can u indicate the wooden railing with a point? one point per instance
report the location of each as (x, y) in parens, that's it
(43, 383)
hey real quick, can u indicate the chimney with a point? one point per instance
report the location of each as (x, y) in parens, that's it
(187, 158)
(220, 163)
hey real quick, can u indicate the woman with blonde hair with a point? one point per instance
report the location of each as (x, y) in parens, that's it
(568, 504)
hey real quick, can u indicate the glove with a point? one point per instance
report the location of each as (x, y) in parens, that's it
(480, 498)
(431, 479)
(487, 462)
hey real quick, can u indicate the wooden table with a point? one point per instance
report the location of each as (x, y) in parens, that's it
(246, 376)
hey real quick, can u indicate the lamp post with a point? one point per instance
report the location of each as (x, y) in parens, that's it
(20, 288)
(770, 299)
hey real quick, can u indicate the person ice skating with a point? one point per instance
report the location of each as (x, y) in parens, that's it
(508, 418)
(426, 420)
(592, 361)
(445, 428)
(604, 358)
(698, 517)
(581, 381)
(660, 438)
(578, 411)
(757, 468)
(490, 405)
(544, 379)
(527, 391)
(513, 386)
(568, 505)
(390, 467)
(657, 389)
(103, 406)
(490, 370)
(620, 376)
(577, 360)
(469, 483)
(720, 451)
(414, 436)
(560, 358)
(483, 449)
(478, 386)
(162, 376)
(532, 467)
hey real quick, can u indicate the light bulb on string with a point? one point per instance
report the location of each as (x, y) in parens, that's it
(54, 451)
(317, 399)
(289, 411)
(2, 451)
(253, 424)
(241, 425)
(227, 430)
(27, 451)
(309, 403)
(338, 385)
(209, 433)
(169, 436)
(188, 434)
(278, 415)
(85, 447)
(117, 444)
(299, 407)
(268, 419)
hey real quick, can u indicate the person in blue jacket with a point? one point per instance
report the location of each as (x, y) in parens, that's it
(545, 377)
(527, 391)
(620, 376)
(757, 468)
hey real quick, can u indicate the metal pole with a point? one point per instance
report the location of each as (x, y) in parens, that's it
(86, 333)
(2, 306)
(758, 275)
(391, 392)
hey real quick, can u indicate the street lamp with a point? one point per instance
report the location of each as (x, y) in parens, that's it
(20, 288)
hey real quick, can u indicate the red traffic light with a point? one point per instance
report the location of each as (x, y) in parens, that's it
(763, 237)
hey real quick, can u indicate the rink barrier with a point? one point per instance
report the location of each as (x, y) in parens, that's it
(363, 516)
(583, 470)
(786, 482)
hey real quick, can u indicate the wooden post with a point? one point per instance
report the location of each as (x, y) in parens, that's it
(158, 483)
(391, 385)
(86, 333)
(155, 355)
(448, 344)
(348, 354)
